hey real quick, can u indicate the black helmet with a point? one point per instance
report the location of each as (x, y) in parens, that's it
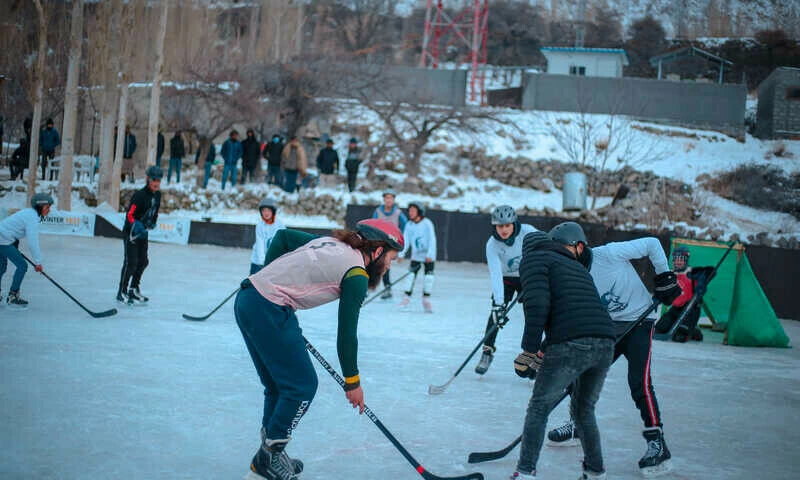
(381, 230)
(41, 199)
(268, 203)
(503, 215)
(568, 233)
(419, 206)
(154, 172)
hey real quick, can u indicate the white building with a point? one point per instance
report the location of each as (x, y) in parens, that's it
(589, 62)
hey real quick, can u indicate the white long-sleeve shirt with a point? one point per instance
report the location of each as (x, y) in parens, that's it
(264, 234)
(503, 260)
(420, 239)
(620, 288)
(23, 224)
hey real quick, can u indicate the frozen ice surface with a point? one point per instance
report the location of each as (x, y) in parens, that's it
(148, 395)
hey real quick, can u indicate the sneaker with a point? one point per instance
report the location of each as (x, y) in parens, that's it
(133, 299)
(136, 294)
(517, 475)
(563, 436)
(123, 299)
(485, 361)
(387, 294)
(15, 301)
(404, 303)
(656, 460)
(426, 305)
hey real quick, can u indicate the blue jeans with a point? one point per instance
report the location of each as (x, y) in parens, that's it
(274, 175)
(174, 164)
(289, 180)
(10, 252)
(207, 173)
(275, 342)
(158, 161)
(229, 171)
(585, 361)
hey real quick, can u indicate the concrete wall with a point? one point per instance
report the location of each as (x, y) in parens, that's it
(717, 107)
(597, 64)
(408, 84)
(786, 111)
(766, 104)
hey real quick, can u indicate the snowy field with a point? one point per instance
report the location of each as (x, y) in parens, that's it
(148, 395)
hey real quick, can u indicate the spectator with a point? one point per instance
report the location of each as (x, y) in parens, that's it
(328, 165)
(272, 152)
(208, 164)
(251, 152)
(352, 163)
(177, 150)
(128, 149)
(48, 141)
(231, 153)
(19, 159)
(159, 147)
(293, 163)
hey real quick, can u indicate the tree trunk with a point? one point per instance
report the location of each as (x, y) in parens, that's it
(155, 91)
(108, 109)
(37, 102)
(117, 168)
(70, 107)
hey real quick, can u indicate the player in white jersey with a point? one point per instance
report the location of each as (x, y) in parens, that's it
(421, 248)
(265, 231)
(503, 254)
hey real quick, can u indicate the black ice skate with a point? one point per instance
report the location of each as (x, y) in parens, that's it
(272, 463)
(386, 295)
(485, 361)
(137, 296)
(563, 436)
(656, 461)
(133, 299)
(124, 299)
(16, 302)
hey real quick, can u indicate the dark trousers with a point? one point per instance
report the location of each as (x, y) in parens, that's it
(511, 285)
(248, 173)
(174, 164)
(17, 171)
(387, 279)
(351, 180)
(275, 343)
(134, 263)
(11, 252)
(289, 180)
(687, 327)
(43, 164)
(274, 175)
(585, 362)
(254, 268)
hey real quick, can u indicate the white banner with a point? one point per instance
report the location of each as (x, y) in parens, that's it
(171, 230)
(68, 223)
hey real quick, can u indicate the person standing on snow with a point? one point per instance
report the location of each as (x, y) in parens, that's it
(177, 150)
(23, 224)
(272, 152)
(503, 254)
(231, 152)
(562, 302)
(304, 271)
(141, 216)
(49, 140)
(421, 248)
(293, 163)
(351, 163)
(328, 165)
(265, 232)
(392, 214)
(251, 154)
(626, 298)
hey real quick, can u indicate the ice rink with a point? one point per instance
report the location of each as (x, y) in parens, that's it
(148, 395)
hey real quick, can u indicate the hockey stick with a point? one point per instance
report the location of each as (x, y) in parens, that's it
(106, 313)
(387, 288)
(419, 468)
(478, 457)
(212, 312)
(439, 389)
(698, 298)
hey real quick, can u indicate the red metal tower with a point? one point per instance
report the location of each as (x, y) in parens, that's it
(469, 26)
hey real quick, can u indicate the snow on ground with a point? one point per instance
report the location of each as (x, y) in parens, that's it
(148, 395)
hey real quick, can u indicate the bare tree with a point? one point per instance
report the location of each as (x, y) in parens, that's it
(70, 107)
(37, 103)
(113, 10)
(155, 90)
(360, 24)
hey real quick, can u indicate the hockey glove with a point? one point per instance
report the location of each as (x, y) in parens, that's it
(667, 288)
(138, 231)
(527, 364)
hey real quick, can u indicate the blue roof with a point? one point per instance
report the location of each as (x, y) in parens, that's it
(615, 51)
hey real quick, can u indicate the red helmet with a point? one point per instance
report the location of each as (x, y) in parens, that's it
(382, 231)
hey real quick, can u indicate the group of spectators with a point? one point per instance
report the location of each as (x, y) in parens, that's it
(49, 140)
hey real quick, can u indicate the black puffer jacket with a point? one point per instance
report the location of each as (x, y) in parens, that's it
(560, 297)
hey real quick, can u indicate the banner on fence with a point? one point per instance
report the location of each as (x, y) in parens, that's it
(168, 230)
(68, 223)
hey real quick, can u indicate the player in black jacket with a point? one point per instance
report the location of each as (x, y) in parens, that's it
(562, 302)
(141, 216)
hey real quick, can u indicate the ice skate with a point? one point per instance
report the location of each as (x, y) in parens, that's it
(272, 463)
(589, 475)
(387, 294)
(404, 304)
(563, 436)
(137, 296)
(656, 460)
(16, 302)
(124, 299)
(134, 300)
(485, 361)
(523, 476)
(426, 305)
